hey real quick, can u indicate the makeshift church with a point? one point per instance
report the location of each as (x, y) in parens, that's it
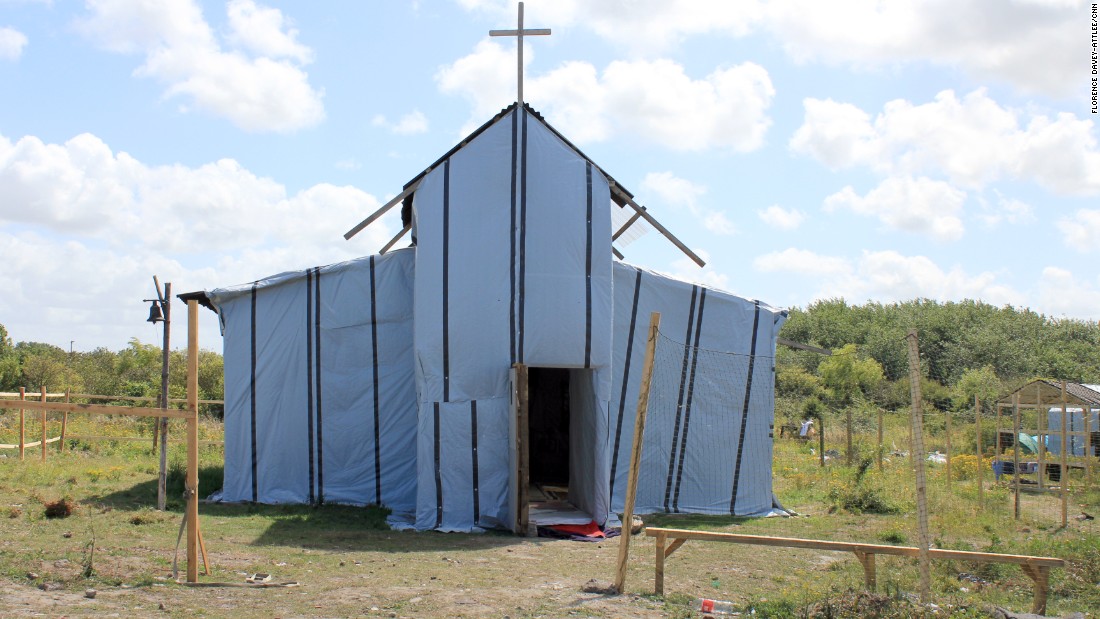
(389, 379)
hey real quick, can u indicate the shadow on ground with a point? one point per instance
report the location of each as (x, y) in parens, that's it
(323, 527)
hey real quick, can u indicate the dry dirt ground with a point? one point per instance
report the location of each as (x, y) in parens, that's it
(462, 576)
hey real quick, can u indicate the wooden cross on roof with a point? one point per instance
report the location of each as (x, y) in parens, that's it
(519, 33)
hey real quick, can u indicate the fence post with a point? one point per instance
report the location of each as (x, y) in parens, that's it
(917, 450)
(64, 424)
(22, 423)
(848, 431)
(43, 417)
(948, 430)
(821, 440)
(1063, 477)
(1016, 454)
(978, 440)
(880, 442)
(636, 450)
(192, 441)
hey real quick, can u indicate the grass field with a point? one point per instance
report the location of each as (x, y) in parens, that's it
(346, 563)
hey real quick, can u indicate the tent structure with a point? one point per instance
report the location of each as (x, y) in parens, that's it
(389, 379)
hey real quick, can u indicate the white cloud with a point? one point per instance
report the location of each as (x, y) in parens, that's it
(803, 262)
(649, 100)
(972, 141)
(104, 222)
(412, 123)
(683, 194)
(12, 43)
(784, 219)
(970, 34)
(259, 86)
(918, 205)
(887, 276)
(265, 31)
(1082, 230)
(685, 269)
(1063, 294)
(640, 26)
(1007, 210)
(673, 190)
(82, 188)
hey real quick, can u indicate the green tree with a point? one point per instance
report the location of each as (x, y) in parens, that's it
(981, 383)
(847, 375)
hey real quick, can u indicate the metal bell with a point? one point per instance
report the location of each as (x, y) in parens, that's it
(155, 315)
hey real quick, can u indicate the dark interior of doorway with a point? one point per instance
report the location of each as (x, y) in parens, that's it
(548, 427)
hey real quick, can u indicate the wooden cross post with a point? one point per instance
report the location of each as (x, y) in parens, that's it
(519, 33)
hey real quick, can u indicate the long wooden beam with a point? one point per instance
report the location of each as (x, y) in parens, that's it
(94, 409)
(380, 212)
(881, 549)
(395, 239)
(800, 346)
(656, 224)
(630, 222)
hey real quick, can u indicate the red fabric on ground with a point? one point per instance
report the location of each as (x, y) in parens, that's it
(587, 530)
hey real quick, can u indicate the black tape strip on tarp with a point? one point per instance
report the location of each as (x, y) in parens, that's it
(626, 380)
(438, 476)
(588, 269)
(522, 236)
(309, 381)
(446, 277)
(317, 365)
(252, 399)
(680, 397)
(374, 378)
(688, 401)
(473, 451)
(745, 410)
(512, 230)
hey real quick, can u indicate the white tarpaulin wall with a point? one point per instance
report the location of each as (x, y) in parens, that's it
(1075, 422)
(513, 264)
(708, 445)
(386, 379)
(319, 390)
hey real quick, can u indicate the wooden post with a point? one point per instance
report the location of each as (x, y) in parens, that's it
(848, 454)
(1088, 447)
(867, 559)
(659, 569)
(1041, 575)
(192, 440)
(948, 430)
(997, 434)
(821, 440)
(1041, 429)
(916, 424)
(978, 446)
(43, 446)
(64, 425)
(22, 424)
(636, 450)
(1016, 454)
(880, 442)
(1063, 477)
(523, 450)
(162, 423)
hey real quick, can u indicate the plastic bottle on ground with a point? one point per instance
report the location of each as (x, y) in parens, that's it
(714, 607)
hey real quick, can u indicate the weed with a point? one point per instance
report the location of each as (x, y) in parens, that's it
(62, 508)
(893, 537)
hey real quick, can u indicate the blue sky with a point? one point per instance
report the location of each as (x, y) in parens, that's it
(867, 150)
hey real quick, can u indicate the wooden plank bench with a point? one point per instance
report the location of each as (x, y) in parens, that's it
(1037, 568)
